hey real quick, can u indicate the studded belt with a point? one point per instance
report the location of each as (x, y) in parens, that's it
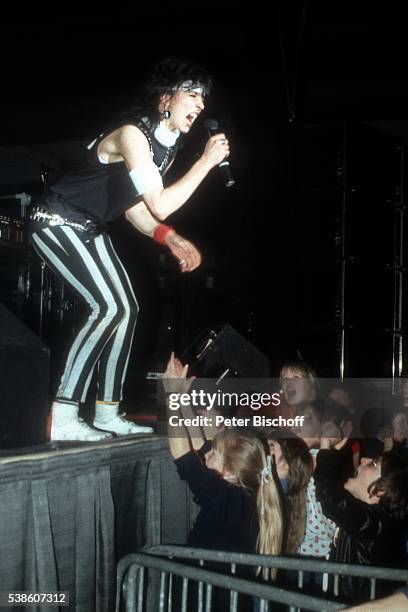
(43, 215)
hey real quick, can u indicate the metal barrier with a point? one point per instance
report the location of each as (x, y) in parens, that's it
(132, 588)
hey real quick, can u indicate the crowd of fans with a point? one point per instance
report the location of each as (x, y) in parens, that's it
(334, 489)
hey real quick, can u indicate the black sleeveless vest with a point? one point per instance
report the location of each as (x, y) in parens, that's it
(101, 192)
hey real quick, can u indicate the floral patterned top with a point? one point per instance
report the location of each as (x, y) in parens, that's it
(320, 530)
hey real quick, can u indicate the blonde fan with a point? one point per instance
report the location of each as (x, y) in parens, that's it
(245, 457)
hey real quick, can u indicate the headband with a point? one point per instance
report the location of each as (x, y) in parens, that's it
(197, 88)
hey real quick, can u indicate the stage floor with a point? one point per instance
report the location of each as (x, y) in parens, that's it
(39, 451)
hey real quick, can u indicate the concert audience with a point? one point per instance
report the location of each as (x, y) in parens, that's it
(317, 511)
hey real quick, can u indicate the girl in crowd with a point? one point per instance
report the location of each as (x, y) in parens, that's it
(294, 467)
(299, 385)
(240, 507)
(320, 529)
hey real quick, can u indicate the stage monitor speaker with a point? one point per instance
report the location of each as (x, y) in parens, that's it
(221, 351)
(24, 384)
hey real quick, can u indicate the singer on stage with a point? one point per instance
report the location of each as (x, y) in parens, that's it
(120, 172)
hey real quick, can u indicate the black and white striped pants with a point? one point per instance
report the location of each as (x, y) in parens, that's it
(93, 270)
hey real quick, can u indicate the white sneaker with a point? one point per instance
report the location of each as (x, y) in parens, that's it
(76, 430)
(121, 426)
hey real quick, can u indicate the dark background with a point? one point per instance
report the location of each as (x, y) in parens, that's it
(277, 69)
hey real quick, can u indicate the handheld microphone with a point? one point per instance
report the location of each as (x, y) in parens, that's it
(212, 128)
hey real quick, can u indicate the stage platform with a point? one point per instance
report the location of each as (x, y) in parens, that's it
(70, 511)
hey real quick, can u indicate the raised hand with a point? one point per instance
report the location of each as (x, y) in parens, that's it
(335, 436)
(175, 377)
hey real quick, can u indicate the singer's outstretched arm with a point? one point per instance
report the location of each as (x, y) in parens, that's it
(130, 144)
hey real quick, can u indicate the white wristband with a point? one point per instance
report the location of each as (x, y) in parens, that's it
(146, 177)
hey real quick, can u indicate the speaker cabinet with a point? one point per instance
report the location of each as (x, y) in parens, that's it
(223, 352)
(24, 384)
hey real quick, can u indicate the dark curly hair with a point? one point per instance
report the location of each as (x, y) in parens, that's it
(167, 75)
(392, 486)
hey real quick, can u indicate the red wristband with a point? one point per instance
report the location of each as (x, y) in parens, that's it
(160, 233)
